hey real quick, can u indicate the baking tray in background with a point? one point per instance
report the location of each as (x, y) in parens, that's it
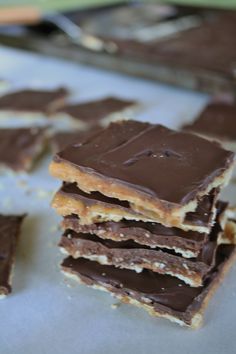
(46, 39)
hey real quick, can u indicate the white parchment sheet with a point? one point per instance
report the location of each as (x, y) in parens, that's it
(45, 313)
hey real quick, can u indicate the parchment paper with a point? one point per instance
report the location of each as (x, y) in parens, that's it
(45, 313)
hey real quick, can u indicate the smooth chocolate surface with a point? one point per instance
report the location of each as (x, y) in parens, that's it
(94, 111)
(145, 157)
(9, 231)
(201, 217)
(61, 140)
(165, 293)
(190, 48)
(31, 100)
(19, 147)
(217, 120)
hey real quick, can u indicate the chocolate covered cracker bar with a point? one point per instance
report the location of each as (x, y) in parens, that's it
(130, 255)
(9, 232)
(32, 101)
(19, 148)
(216, 121)
(98, 113)
(160, 295)
(161, 173)
(153, 235)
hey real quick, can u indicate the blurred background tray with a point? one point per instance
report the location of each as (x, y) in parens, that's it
(132, 57)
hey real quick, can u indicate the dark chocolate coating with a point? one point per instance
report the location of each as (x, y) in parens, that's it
(18, 146)
(149, 234)
(217, 120)
(151, 159)
(31, 100)
(129, 253)
(206, 255)
(144, 233)
(9, 231)
(61, 140)
(93, 111)
(164, 291)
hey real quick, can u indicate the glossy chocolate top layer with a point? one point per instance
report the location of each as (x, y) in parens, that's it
(9, 230)
(162, 290)
(17, 146)
(201, 217)
(217, 120)
(94, 111)
(151, 159)
(31, 100)
(61, 140)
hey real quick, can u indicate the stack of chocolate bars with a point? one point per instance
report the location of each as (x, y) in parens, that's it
(142, 217)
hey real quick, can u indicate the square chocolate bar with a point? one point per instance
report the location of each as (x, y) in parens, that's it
(216, 121)
(32, 101)
(162, 173)
(87, 115)
(19, 148)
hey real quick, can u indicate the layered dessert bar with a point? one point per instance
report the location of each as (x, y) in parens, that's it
(30, 102)
(161, 173)
(95, 207)
(216, 121)
(130, 254)
(21, 147)
(100, 112)
(161, 295)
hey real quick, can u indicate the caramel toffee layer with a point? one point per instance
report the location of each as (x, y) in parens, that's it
(32, 100)
(187, 243)
(163, 295)
(202, 217)
(130, 255)
(217, 120)
(20, 147)
(144, 158)
(9, 231)
(94, 111)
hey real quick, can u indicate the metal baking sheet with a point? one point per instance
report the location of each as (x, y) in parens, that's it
(197, 80)
(45, 40)
(48, 314)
